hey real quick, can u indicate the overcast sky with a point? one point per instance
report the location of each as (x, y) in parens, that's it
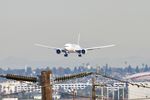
(56, 22)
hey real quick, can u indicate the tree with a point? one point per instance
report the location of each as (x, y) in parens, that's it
(75, 70)
(130, 69)
(137, 69)
(146, 68)
(67, 70)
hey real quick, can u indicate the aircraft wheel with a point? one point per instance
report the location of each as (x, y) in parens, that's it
(79, 55)
(66, 55)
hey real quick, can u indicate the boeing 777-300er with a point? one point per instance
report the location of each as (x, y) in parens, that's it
(73, 48)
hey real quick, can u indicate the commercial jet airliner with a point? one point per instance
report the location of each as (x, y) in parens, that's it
(73, 48)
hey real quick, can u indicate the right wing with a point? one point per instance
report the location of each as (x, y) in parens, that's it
(45, 46)
(100, 47)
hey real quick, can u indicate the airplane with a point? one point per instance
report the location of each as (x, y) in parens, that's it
(73, 48)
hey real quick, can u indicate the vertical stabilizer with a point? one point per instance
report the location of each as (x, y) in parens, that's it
(78, 42)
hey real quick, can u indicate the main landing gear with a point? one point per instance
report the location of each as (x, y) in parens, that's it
(79, 55)
(65, 55)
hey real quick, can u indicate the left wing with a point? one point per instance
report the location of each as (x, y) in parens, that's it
(100, 47)
(45, 46)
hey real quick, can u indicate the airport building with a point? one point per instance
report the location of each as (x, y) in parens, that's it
(139, 77)
(9, 87)
(71, 86)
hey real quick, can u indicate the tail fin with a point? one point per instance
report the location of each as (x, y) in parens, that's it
(78, 42)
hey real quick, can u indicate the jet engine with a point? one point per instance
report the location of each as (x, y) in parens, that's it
(58, 51)
(83, 51)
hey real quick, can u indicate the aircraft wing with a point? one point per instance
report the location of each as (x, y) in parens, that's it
(100, 47)
(45, 46)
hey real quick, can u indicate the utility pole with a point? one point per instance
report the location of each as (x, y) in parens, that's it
(46, 85)
(93, 89)
(74, 94)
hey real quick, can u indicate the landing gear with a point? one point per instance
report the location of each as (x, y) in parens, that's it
(79, 55)
(65, 55)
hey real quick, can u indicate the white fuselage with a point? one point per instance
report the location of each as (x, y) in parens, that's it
(72, 48)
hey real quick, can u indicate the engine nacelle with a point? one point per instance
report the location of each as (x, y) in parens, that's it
(58, 51)
(83, 51)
